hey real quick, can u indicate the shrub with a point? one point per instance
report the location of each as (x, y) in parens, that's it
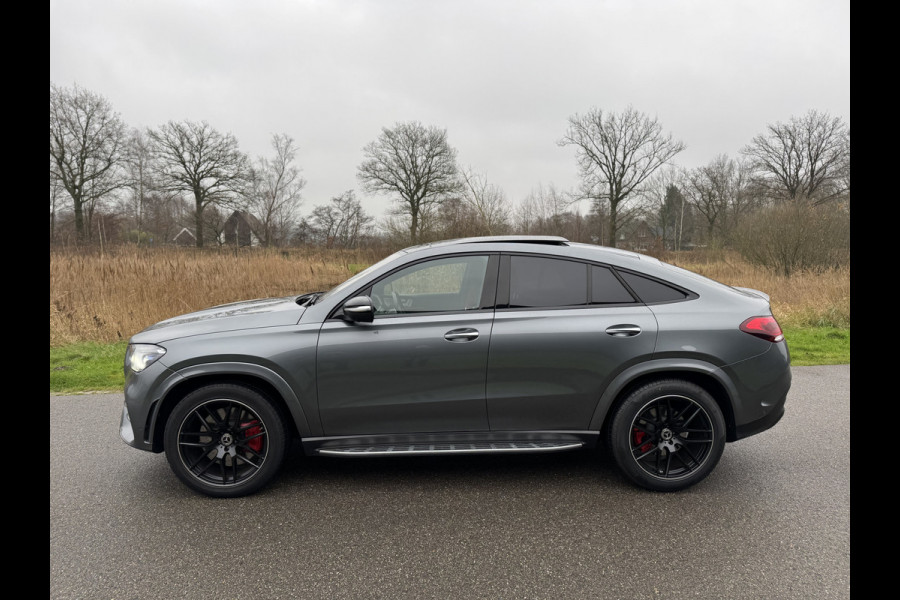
(793, 237)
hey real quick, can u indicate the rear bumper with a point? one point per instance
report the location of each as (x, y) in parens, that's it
(762, 384)
(760, 425)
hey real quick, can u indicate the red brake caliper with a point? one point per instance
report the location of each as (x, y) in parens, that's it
(256, 443)
(639, 437)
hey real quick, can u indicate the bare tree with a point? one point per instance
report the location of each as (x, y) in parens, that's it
(540, 212)
(487, 201)
(707, 189)
(86, 139)
(722, 192)
(548, 210)
(196, 159)
(57, 198)
(415, 164)
(138, 162)
(664, 203)
(341, 223)
(274, 192)
(807, 158)
(616, 153)
(164, 216)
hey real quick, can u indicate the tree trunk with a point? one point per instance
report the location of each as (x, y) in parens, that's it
(79, 220)
(613, 226)
(198, 223)
(413, 226)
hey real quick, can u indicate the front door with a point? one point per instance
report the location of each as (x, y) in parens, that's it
(421, 365)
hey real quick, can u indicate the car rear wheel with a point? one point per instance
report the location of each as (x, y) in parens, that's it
(225, 440)
(667, 435)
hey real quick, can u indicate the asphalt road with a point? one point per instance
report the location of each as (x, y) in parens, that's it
(772, 521)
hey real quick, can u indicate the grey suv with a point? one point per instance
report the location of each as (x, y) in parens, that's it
(479, 345)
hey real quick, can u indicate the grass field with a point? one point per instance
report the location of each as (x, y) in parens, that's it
(99, 299)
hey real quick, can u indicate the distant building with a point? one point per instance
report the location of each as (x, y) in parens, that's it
(185, 237)
(239, 229)
(642, 237)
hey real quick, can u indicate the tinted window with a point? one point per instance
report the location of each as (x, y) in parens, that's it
(447, 284)
(606, 288)
(535, 282)
(650, 290)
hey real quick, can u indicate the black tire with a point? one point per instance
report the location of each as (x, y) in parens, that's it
(225, 440)
(667, 435)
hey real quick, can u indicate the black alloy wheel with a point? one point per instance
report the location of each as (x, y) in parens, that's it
(668, 435)
(225, 440)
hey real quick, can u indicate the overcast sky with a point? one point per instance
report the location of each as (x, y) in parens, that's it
(501, 76)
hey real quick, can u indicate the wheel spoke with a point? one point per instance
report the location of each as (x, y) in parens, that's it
(691, 418)
(214, 415)
(697, 440)
(211, 462)
(250, 451)
(655, 448)
(250, 463)
(197, 444)
(687, 451)
(668, 463)
(697, 431)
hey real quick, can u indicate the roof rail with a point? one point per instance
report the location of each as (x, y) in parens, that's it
(552, 240)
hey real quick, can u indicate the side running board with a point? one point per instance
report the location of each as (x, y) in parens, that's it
(447, 448)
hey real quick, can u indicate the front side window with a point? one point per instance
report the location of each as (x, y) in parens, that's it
(442, 285)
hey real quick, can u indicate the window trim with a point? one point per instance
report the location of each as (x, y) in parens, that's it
(689, 295)
(503, 285)
(488, 290)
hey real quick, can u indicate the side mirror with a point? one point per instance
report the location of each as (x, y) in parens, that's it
(359, 310)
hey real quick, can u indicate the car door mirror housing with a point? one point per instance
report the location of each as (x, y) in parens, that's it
(359, 310)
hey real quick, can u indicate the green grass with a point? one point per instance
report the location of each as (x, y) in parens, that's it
(818, 346)
(87, 367)
(93, 367)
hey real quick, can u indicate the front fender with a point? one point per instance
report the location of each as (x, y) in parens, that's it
(241, 369)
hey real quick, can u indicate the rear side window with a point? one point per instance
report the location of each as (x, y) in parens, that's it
(606, 288)
(538, 282)
(650, 290)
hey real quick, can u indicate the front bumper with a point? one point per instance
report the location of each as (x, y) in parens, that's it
(126, 432)
(142, 393)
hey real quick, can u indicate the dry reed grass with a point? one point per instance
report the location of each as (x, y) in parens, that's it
(108, 296)
(805, 299)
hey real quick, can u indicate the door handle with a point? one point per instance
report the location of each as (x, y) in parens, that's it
(461, 335)
(623, 330)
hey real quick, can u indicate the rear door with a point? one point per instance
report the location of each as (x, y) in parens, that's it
(562, 330)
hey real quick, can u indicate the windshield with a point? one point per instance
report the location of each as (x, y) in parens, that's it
(352, 281)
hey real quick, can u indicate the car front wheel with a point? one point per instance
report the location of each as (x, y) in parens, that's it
(667, 435)
(225, 440)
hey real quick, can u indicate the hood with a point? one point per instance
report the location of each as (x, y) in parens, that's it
(270, 312)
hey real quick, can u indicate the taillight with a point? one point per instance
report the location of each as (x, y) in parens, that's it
(766, 328)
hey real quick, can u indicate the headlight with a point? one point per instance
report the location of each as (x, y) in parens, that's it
(140, 356)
